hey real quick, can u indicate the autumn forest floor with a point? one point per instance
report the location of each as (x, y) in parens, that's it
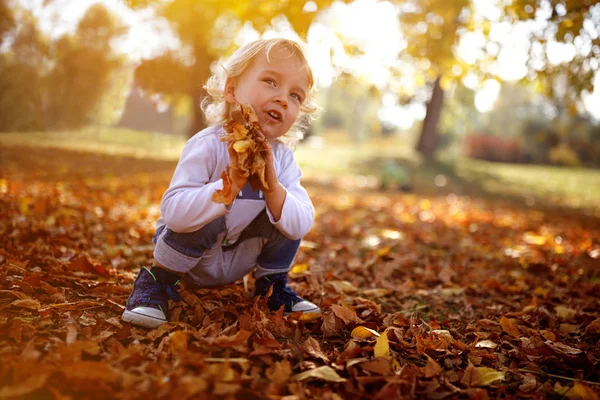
(463, 296)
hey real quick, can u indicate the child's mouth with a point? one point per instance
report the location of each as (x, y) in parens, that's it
(274, 115)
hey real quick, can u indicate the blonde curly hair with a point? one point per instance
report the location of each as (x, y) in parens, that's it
(216, 109)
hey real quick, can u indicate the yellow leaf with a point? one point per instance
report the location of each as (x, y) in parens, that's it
(582, 392)
(565, 312)
(489, 375)
(382, 346)
(310, 316)
(383, 252)
(299, 268)
(30, 304)
(324, 373)
(363, 332)
(533, 238)
(376, 292)
(178, 342)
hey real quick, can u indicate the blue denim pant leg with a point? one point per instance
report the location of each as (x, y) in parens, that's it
(183, 251)
(266, 247)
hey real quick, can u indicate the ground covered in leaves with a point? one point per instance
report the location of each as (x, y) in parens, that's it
(424, 296)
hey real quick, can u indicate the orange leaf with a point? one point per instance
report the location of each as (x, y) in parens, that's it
(432, 368)
(509, 327)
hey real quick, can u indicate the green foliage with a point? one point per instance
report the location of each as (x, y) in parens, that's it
(568, 22)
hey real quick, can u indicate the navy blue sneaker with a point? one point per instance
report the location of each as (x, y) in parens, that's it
(148, 304)
(282, 295)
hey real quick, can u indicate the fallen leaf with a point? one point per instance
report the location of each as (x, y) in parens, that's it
(565, 313)
(562, 348)
(310, 316)
(382, 346)
(363, 332)
(30, 304)
(432, 368)
(471, 377)
(488, 344)
(312, 347)
(346, 314)
(324, 373)
(489, 375)
(581, 391)
(508, 327)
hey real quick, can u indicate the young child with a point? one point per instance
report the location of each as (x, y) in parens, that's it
(209, 244)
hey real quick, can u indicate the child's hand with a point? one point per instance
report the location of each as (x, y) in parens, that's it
(270, 173)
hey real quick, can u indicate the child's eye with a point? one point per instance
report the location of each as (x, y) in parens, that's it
(270, 81)
(297, 97)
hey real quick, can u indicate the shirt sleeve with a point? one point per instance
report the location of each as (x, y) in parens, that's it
(298, 213)
(187, 204)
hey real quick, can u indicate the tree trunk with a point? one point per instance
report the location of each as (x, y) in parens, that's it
(428, 139)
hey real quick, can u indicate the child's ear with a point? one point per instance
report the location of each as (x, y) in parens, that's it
(230, 90)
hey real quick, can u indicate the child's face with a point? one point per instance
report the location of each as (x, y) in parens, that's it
(276, 90)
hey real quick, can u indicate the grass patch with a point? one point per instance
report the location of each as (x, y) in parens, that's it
(339, 157)
(112, 141)
(566, 186)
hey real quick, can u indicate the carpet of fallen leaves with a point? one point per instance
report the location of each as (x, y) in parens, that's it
(423, 297)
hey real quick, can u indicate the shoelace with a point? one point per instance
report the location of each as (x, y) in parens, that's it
(158, 288)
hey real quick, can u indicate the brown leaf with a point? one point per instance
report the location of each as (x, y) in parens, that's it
(312, 347)
(331, 325)
(563, 348)
(279, 372)
(380, 366)
(471, 377)
(346, 314)
(529, 383)
(324, 373)
(432, 368)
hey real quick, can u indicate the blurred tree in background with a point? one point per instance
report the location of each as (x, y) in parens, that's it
(56, 84)
(207, 30)
(84, 65)
(431, 29)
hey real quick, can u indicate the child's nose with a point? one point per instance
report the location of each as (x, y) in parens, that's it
(281, 99)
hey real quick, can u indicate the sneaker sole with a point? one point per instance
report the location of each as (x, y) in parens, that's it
(142, 320)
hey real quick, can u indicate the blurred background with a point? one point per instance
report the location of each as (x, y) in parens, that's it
(417, 95)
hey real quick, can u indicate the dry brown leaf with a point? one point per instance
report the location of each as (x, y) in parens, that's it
(471, 377)
(312, 347)
(324, 373)
(432, 368)
(346, 314)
